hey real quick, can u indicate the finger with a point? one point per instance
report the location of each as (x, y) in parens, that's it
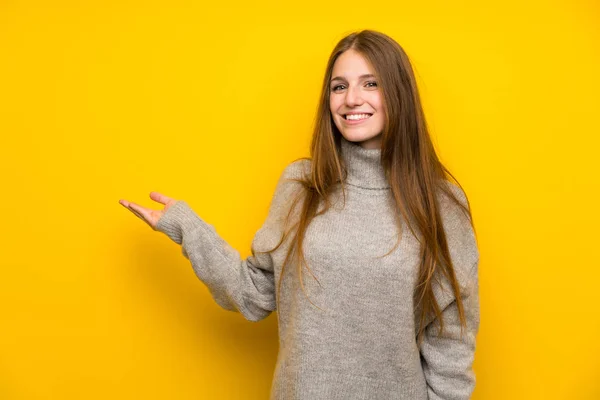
(137, 214)
(141, 212)
(161, 198)
(138, 209)
(128, 205)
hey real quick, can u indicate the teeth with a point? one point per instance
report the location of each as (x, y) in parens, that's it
(357, 116)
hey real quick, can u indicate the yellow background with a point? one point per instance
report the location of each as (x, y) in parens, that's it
(208, 102)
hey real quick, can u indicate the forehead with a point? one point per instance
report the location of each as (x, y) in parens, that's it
(350, 64)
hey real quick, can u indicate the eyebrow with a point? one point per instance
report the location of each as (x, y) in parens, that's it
(339, 78)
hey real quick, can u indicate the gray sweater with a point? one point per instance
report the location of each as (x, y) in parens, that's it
(362, 344)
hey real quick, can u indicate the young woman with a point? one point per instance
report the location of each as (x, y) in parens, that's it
(390, 308)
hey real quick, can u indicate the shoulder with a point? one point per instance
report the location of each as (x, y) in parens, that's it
(445, 201)
(454, 215)
(289, 185)
(292, 175)
(460, 233)
(297, 169)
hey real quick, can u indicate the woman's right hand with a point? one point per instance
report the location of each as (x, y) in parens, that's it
(148, 215)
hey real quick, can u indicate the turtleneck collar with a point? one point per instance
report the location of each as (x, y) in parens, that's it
(363, 166)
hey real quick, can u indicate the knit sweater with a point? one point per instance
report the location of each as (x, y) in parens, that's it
(362, 343)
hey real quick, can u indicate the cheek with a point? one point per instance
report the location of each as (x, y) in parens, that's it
(377, 102)
(378, 105)
(334, 115)
(333, 107)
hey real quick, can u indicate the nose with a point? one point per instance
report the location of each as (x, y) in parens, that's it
(353, 97)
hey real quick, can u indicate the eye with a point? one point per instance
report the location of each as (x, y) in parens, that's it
(335, 88)
(372, 82)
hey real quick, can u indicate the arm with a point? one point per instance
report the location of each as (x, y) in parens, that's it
(447, 360)
(240, 285)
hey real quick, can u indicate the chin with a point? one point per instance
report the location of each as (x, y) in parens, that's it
(358, 137)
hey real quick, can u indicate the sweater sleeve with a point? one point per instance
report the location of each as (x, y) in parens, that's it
(240, 285)
(447, 359)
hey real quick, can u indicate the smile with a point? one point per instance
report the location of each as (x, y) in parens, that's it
(356, 117)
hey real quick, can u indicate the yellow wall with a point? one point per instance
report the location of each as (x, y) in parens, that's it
(107, 100)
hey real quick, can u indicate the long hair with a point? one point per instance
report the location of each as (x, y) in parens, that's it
(414, 171)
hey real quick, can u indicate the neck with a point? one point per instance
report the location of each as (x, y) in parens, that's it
(363, 166)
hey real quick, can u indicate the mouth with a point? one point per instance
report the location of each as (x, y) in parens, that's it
(357, 117)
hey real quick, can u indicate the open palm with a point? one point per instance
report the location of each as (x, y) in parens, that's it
(148, 215)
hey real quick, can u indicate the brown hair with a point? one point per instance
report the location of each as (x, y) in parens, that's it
(408, 157)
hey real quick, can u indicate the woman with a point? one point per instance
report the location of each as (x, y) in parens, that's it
(391, 309)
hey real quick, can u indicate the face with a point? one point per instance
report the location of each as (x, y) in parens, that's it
(356, 101)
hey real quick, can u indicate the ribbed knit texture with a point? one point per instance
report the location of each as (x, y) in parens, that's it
(362, 344)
